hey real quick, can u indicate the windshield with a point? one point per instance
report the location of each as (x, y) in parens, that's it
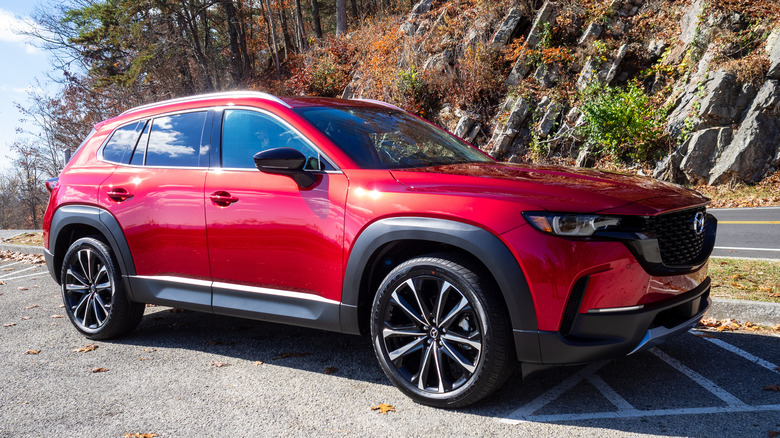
(389, 139)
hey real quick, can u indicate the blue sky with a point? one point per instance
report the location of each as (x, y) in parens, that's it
(23, 64)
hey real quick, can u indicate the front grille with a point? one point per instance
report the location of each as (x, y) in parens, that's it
(677, 240)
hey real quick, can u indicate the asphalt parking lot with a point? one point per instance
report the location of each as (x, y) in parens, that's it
(183, 374)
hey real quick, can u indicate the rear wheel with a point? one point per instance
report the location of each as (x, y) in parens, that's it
(93, 292)
(440, 333)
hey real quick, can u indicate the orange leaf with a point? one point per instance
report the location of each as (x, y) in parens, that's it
(22, 288)
(99, 370)
(32, 351)
(219, 364)
(57, 316)
(139, 435)
(32, 306)
(258, 363)
(10, 324)
(383, 408)
(330, 370)
(775, 388)
(88, 347)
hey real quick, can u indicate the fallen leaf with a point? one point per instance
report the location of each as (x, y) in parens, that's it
(57, 316)
(286, 355)
(774, 433)
(258, 363)
(32, 351)
(32, 306)
(705, 335)
(383, 408)
(99, 370)
(143, 358)
(22, 288)
(8, 269)
(219, 364)
(709, 322)
(25, 318)
(86, 348)
(775, 388)
(330, 370)
(139, 435)
(737, 277)
(10, 324)
(147, 349)
(62, 306)
(2, 283)
(176, 310)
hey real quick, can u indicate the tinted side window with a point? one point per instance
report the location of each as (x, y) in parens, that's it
(175, 140)
(123, 140)
(245, 133)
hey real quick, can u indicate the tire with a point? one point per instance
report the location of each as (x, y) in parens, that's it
(94, 294)
(440, 332)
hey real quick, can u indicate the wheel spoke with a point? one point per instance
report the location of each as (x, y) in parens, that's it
(461, 340)
(406, 349)
(76, 308)
(407, 309)
(440, 300)
(101, 272)
(389, 332)
(76, 288)
(420, 305)
(443, 383)
(103, 307)
(462, 305)
(425, 365)
(87, 306)
(98, 319)
(78, 277)
(458, 358)
(87, 270)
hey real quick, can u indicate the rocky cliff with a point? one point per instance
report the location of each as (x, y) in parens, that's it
(711, 69)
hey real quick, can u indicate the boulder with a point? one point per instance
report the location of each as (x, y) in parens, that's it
(607, 77)
(591, 33)
(756, 144)
(464, 126)
(546, 75)
(520, 69)
(774, 59)
(589, 71)
(549, 119)
(703, 149)
(408, 28)
(422, 7)
(717, 105)
(508, 27)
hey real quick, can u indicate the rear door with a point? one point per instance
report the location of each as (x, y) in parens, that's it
(156, 195)
(275, 248)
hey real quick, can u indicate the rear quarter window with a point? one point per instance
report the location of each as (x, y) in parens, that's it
(120, 146)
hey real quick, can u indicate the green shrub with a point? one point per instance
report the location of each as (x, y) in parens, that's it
(621, 123)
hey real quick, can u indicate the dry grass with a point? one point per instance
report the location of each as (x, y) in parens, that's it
(766, 193)
(34, 239)
(756, 280)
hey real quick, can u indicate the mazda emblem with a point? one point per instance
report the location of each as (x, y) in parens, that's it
(698, 223)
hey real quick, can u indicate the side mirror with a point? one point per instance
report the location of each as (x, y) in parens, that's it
(285, 161)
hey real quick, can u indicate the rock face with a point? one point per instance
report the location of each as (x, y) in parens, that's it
(774, 58)
(545, 14)
(702, 151)
(508, 27)
(756, 144)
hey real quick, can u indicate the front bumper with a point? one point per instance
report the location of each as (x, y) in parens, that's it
(601, 336)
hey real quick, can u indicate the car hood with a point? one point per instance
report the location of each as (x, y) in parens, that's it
(554, 188)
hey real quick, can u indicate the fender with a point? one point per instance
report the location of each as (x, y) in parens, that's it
(99, 219)
(479, 242)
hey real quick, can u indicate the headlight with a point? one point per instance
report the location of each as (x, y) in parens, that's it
(570, 225)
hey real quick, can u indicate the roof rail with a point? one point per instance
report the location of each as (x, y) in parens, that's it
(225, 94)
(379, 102)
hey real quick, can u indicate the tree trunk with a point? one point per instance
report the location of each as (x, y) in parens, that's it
(270, 18)
(355, 14)
(315, 17)
(299, 26)
(341, 17)
(236, 57)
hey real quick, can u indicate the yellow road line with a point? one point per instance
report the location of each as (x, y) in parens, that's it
(749, 222)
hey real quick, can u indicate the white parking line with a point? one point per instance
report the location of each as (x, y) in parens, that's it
(17, 272)
(520, 415)
(737, 248)
(698, 378)
(26, 276)
(609, 393)
(10, 264)
(653, 413)
(757, 360)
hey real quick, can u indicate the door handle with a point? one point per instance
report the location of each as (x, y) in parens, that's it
(119, 194)
(222, 198)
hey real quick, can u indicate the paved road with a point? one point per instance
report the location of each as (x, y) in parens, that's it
(164, 379)
(748, 232)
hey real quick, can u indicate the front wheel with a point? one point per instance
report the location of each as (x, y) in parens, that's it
(93, 293)
(440, 332)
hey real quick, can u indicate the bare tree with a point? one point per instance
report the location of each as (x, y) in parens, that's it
(341, 17)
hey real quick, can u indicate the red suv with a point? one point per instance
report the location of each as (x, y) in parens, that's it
(357, 217)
